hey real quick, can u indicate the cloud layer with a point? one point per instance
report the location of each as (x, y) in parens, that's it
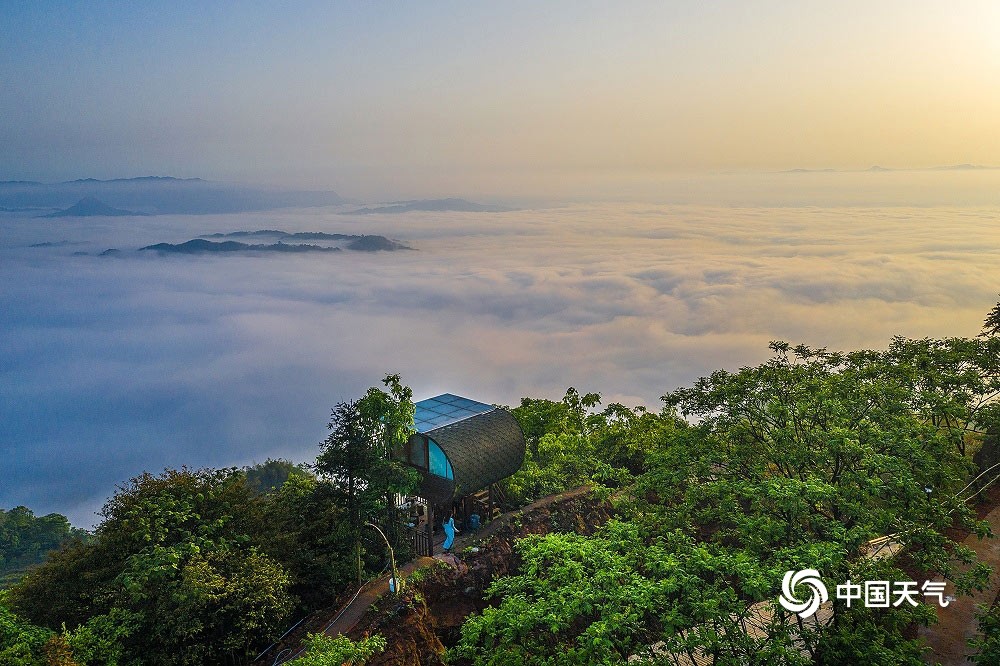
(112, 366)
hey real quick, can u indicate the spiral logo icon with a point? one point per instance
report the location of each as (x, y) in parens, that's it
(817, 592)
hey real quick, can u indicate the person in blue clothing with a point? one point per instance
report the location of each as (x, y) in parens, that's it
(449, 532)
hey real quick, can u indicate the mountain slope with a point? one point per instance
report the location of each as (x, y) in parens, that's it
(91, 207)
(161, 195)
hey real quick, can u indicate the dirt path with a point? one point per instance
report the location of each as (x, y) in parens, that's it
(467, 538)
(371, 593)
(948, 639)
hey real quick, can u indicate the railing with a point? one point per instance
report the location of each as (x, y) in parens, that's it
(287, 654)
(272, 645)
(500, 497)
(423, 544)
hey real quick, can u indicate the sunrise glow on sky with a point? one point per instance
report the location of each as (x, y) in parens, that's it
(395, 99)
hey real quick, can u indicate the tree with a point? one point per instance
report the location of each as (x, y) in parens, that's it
(991, 327)
(307, 531)
(540, 417)
(270, 475)
(71, 586)
(104, 639)
(621, 594)
(798, 463)
(356, 458)
(951, 383)
(569, 444)
(26, 539)
(986, 642)
(203, 603)
(804, 460)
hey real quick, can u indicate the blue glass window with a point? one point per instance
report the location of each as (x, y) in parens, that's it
(439, 464)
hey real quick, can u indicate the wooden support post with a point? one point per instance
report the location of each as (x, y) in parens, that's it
(430, 529)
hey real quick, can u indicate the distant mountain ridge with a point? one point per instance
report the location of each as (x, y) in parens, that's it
(274, 233)
(961, 167)
(434, 205)
(143, 179)
(875, 168)
(160, 195)
(91, 207)
(61, 243)
(201, 246)
(359, 243)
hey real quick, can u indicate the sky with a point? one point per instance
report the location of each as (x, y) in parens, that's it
(381, 100)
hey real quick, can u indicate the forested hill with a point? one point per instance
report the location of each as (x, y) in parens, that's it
(26, 539)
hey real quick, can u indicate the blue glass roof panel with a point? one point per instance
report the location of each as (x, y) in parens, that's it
(445, 409)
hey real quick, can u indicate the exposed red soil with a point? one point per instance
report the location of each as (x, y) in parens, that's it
(948, 639)
(428, 618)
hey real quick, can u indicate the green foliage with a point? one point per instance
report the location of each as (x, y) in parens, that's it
(204, 602)
(21, 643)
(569, 444)
(540, 417)
(950, 383)
(356, 460)
(797, 463)
(71, 586)
(429, 573)
(576, 600)
(173, 572)
(562, 461)
(601, 599)
(991, 327)
(204, 566)
(357, 463)
(323, 650)
(801, 461)
(26, 539)
(873, 636)
(818, 448)
(272, 474)
(103, 638)
(986, 643)
(306, 530)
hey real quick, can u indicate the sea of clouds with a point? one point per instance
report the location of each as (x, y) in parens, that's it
(114, 365)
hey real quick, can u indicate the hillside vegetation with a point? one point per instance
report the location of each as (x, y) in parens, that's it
(26, 539)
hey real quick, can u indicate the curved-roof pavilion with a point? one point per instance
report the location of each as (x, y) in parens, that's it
(462, 446)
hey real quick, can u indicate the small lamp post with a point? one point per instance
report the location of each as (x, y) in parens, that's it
(395, 584)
